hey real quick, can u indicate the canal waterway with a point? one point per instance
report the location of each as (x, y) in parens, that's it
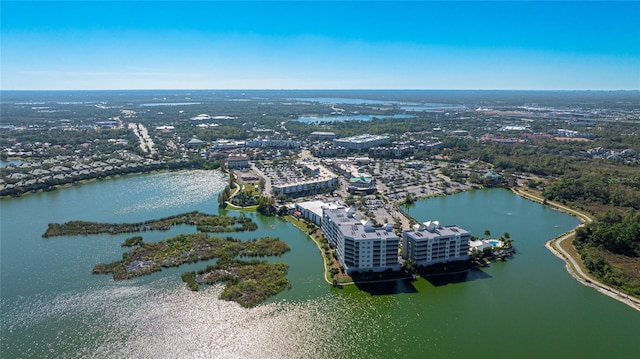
(52, 306)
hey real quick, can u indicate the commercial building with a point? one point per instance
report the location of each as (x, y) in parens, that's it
(310, 180)
(361, 142)
(319, 135)
(270, 143)
(359, 180)
(237, 161)
(395, 151)
(328, 150)
(562, 132)
(306, 187)
(431, 243)
(362, 185)
(195, 143)
(223, 144)
(360, 245)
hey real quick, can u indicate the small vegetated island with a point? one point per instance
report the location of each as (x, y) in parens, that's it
(247, 282)
(204, 223)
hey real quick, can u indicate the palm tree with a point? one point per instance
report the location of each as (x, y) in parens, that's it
(507, 243)
(487, 233)
(409, 199)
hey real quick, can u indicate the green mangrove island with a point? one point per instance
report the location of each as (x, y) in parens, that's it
(147, 258)
(204, 223)
(247, 282)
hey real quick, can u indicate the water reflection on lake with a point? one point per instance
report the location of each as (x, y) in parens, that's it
(343, 118)
(52, 306)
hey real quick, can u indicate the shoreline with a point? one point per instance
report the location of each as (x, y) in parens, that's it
(580, 276)
(56, 187)
(290, 219)
(571, 264)
(324, 264)
(553, 245)
(76, 183)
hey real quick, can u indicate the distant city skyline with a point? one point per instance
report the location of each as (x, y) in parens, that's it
(94, 45)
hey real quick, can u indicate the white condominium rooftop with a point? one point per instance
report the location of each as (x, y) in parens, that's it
(316, 206)
(345, 220)
(431, 243)
(433, 230)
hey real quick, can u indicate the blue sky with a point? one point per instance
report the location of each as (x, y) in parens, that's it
(570, 45)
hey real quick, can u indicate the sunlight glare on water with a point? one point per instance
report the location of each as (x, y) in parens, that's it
(163, 319)
(178, 189)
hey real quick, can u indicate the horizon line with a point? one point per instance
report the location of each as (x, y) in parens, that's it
(323, 89)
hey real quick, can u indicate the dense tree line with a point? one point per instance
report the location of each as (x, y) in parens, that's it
(612, 232)
(596, 188)
(610, 249)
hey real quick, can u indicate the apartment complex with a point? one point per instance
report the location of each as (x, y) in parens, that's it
(360, 245)
(431, 243)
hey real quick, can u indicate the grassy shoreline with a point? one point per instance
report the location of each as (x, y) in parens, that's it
(562, 247)
(232, 207)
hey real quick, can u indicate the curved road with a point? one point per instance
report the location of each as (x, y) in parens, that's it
(555, 246)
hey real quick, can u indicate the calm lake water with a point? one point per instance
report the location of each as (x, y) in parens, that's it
(526, 307)
(432, 107)
(407, 106)
(11, 162)
(321, 119)
(349, 101)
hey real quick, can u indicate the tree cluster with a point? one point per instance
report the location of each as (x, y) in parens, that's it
(267, 206)
(612, 232)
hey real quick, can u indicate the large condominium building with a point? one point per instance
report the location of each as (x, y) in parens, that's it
(360, 245)
(361, 142)
(312, 210)
(431, 243)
